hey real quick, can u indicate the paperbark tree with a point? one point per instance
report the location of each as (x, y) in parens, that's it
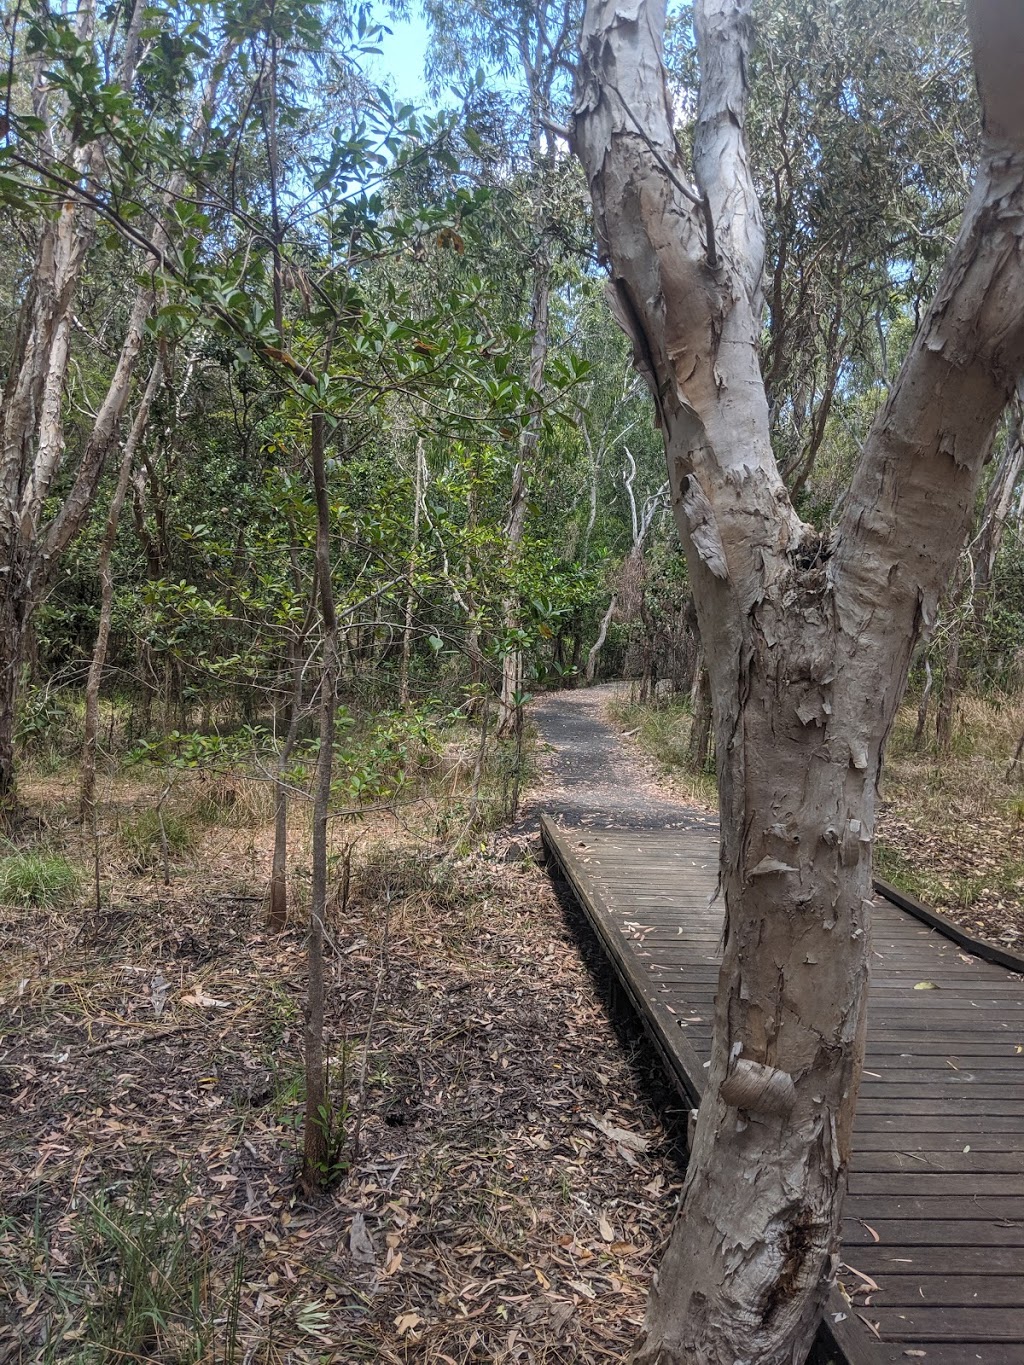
(808, 640)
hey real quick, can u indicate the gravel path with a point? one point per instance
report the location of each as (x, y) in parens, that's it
(588, 776)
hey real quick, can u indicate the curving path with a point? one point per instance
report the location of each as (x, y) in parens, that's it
(588, 775)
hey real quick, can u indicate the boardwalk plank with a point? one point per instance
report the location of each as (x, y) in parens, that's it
(935, 1211)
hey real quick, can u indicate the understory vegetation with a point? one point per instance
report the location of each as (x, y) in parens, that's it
(490, 1196)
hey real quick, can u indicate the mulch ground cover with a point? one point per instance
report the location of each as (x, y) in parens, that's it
(507, 1163)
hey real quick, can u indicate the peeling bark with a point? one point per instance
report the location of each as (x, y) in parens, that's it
(808, 644)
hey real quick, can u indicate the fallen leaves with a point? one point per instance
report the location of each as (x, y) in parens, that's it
(633, 1142)
(512, 1181)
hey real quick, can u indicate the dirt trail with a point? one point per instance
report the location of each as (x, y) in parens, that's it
(588, 776)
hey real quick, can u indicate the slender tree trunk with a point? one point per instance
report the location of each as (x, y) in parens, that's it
(922, 706)
(410, 598)
(649, 642)
(512, 666)
(12, 639)
(969, 596)
(481, 757)
(998, 508)
(701, 713)
(316, 1151)
(598, 645)
(99, 653)
(950, 691)
(692, 657)
(277, 889)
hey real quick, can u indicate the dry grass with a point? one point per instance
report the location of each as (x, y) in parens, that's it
(951, 827)
(662, 732)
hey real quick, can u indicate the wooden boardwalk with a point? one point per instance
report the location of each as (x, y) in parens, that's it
(933, 1234)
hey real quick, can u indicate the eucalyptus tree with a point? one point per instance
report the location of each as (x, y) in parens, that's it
(861, 129)
(808, 638)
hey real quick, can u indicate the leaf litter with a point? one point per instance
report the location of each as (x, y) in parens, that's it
(514, 1182)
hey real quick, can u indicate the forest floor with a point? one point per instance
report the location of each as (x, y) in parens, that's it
(508, 1152)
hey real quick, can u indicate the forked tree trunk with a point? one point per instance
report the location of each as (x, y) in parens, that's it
(598, 645)
(808, 643)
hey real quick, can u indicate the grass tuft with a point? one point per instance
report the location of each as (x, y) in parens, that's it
(662, 730)
(137, 1287)
(35, 878)
(145, 836)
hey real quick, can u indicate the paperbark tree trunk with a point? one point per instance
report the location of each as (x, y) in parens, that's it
(808, 642)
(598, 645)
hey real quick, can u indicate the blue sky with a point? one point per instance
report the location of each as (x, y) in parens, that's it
(402, 57)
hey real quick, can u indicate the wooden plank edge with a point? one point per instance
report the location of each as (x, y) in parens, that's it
(840, 1332)
(677, 1055)
(977, 947)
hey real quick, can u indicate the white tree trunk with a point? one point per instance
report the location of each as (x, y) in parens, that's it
(807, 643)
(598, 645)
(509, 705)
(32, 411)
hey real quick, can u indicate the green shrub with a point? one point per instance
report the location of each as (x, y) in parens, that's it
(36, 878)
(45, 721)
